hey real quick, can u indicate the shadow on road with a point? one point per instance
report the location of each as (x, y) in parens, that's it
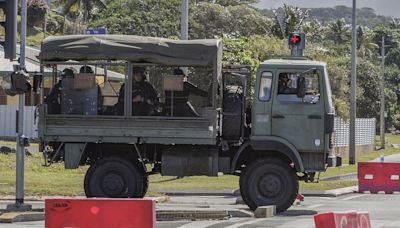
(297, 213)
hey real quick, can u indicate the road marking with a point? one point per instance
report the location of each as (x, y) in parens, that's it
(316, 197)
(315, 205)
(353, 197)
(245, 223)
(201, 224)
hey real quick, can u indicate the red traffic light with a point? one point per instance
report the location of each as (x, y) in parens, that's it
(295, 39)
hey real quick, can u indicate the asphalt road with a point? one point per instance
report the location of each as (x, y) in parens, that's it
(384, 212)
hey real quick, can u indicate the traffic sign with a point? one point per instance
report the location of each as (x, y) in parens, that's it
(96, 31)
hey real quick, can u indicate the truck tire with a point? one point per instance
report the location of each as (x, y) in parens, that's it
(269, 181)
(115, 177)
(232, 121)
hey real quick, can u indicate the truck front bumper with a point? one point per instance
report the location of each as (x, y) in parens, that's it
(334, 161)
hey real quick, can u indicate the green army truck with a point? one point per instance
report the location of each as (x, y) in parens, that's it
(273, 131)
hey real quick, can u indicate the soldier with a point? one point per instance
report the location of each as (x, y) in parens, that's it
(181, 104)
(53, 100)
(145, 100)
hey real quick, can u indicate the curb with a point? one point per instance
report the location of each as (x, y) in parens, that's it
(332, 192)
(340, 177)
(201, 193)
(11, 217)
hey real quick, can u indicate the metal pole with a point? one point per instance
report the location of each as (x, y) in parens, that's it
(19, 194)
(352, 141)
(382, 85)
(185, 20)
(184, 27)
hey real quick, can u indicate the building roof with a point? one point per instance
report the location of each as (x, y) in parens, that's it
(32, 64)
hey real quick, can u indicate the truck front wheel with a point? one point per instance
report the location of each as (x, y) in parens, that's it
(115, 177)
(269, 182)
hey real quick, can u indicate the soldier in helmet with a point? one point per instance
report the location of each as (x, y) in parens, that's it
(145, 99)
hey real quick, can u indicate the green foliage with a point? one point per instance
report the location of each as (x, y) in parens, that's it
(368, 104)
(210, 20)
(137, 17)
(365, 16)
(55, 24)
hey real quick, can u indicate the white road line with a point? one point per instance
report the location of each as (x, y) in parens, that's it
(202, 224)
(315, 205)
(316, 197)
(245, 223)
(353, 197)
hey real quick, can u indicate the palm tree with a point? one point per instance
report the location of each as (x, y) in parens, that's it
(339, 31)
(79, 8)
(365, 44)
(293, 18)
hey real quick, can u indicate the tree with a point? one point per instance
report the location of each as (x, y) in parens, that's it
(229, 2)
(288, 19)
(36, 12)
(314, 30)
(365, 43)
(137, 17)
(339, 32)
(80, 8)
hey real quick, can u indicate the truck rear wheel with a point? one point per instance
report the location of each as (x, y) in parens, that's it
(115, 177)
(269, 182)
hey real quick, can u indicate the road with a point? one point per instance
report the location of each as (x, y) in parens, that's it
(384, 212)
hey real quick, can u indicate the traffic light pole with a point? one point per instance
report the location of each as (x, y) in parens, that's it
(21, 140)
(382, 87)
(353, 104)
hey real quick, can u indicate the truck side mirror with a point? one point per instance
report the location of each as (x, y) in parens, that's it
(301, 87)
(37, 82)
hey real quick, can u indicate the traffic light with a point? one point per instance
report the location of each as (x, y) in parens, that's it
(297, 40)
(10, 10)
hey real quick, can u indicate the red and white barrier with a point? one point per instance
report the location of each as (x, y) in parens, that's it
(377, 177)
(100, 213)
(350, 219)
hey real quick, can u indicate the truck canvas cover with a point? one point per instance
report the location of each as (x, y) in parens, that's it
(132, 48)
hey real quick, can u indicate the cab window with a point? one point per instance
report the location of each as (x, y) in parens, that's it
(265, 86)
(288, 87)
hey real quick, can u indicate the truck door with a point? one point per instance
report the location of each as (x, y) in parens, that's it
(299, 120)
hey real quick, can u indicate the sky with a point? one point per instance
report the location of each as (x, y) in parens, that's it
(382, 7)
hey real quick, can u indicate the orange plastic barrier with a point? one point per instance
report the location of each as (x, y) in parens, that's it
(379, 176)
(350, 219)
(100, 213)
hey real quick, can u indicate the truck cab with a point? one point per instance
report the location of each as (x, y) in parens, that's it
(302, 121)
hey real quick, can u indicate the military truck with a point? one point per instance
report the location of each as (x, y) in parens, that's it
(273, 131)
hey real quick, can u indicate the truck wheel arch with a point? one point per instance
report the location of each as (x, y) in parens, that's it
(278, 146)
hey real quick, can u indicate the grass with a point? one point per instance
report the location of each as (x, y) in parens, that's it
(55, 180)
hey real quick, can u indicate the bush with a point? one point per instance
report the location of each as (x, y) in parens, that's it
(37, 10)
(55, 24)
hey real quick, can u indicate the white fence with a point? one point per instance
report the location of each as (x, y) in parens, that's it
(365, 132)
(8, 120)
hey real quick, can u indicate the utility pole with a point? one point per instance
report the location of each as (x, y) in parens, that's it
(382, 85)
(21, 139)
(353, 105)
(185, 20)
